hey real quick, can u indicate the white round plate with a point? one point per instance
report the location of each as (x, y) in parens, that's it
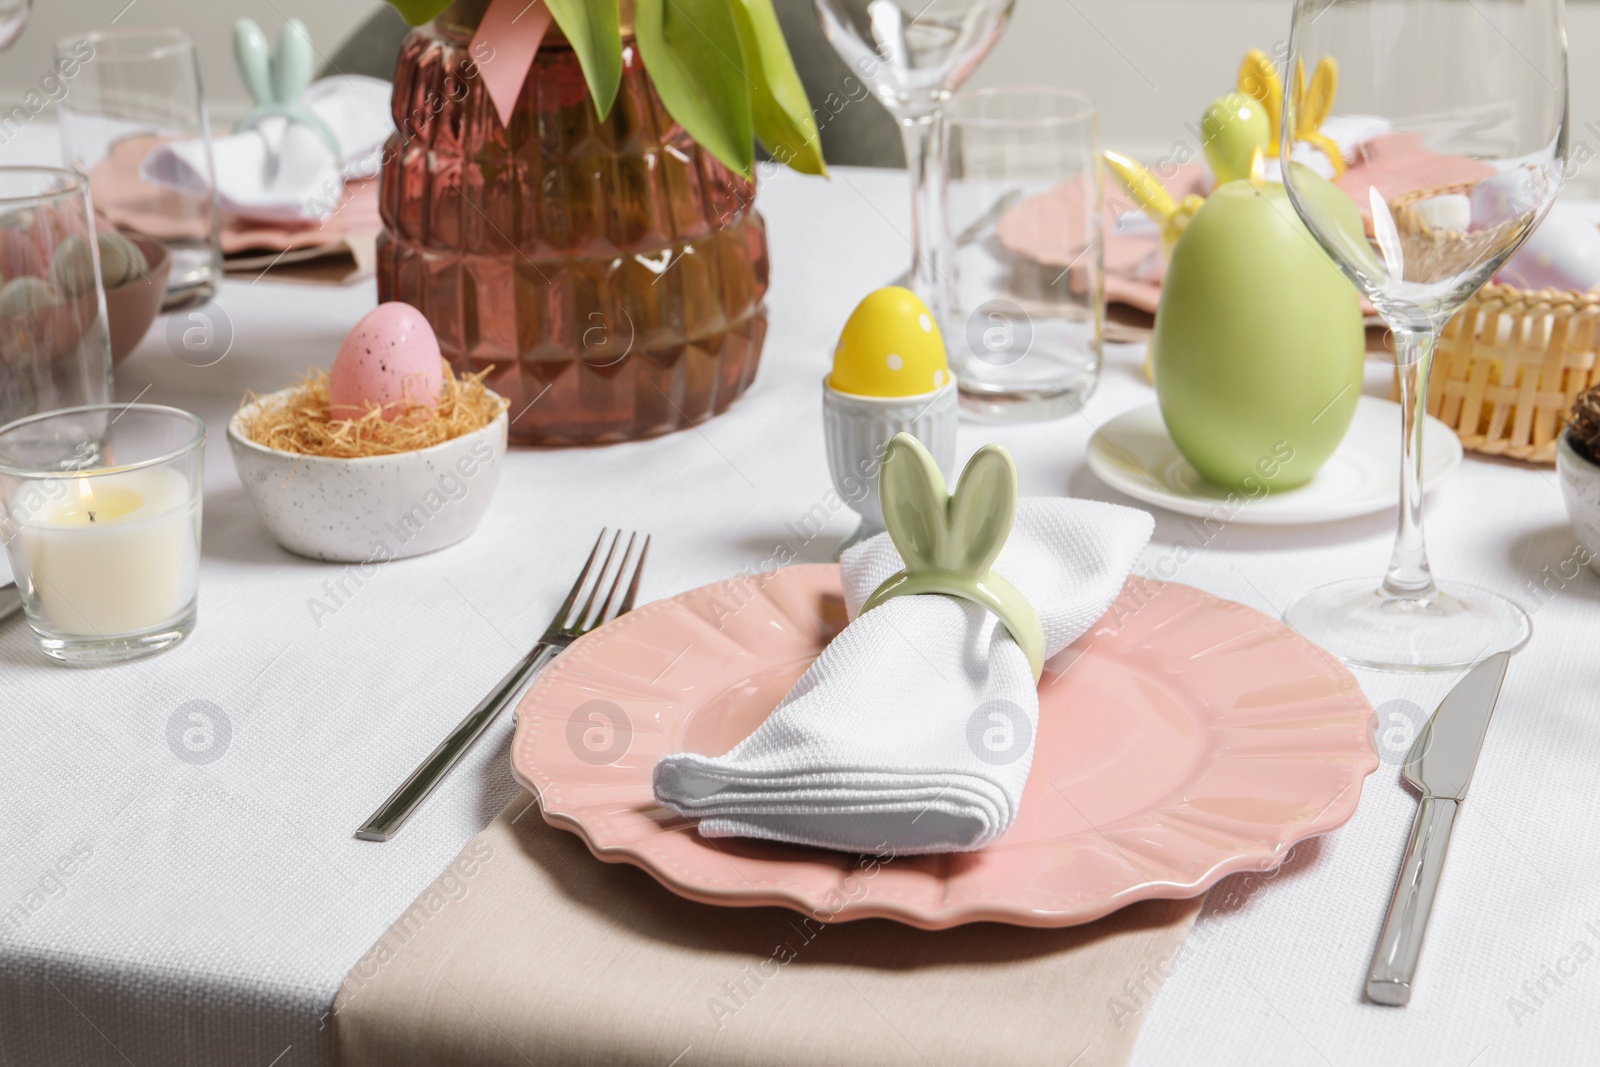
(1133, 453)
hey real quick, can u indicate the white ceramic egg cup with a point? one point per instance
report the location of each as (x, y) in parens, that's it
(376, 508)
(858, 430)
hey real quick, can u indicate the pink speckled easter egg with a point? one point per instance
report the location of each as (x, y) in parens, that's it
(391, 359)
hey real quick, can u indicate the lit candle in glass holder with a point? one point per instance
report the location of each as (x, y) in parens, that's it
(102, 525)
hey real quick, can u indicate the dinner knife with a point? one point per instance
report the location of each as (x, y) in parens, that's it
(1439, 766)
(10, 600)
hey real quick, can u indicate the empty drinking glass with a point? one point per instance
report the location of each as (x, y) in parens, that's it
(54, 350)
(14, 15)
(914, 54)
(1025, 314)
(133, 90)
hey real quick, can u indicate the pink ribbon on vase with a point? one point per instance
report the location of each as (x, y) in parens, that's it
(509, 37)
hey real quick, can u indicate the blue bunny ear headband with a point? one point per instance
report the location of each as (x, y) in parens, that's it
(278, 78)
(949, 542)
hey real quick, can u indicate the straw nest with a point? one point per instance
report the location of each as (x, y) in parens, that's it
(298, 419)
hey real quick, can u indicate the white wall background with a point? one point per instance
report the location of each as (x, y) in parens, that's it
(209, 22)
(1153, 65)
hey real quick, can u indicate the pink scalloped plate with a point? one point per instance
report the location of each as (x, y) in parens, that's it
(1184, 738)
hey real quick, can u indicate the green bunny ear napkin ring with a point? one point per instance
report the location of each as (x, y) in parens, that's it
(278, 78)
(949, 543)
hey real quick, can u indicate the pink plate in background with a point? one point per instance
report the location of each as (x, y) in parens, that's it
(1184, 738)
(1037, 228)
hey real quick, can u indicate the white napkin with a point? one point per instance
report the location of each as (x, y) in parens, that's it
(913, 731)
(280, 171)
(1349, 132)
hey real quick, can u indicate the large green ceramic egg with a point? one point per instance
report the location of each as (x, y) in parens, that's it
(1258, 343)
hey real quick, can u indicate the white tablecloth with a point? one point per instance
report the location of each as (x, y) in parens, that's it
(158, 910)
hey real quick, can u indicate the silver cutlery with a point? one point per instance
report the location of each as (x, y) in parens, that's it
(1439, 766)
(10, 600)
(565, 628)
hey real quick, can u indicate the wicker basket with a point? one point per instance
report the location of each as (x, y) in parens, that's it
(1511, 361)
(1509, 366)
(1434, 256)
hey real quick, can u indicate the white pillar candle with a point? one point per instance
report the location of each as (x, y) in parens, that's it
(110, 554)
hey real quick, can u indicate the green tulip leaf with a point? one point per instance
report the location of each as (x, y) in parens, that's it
(721, 67)
(591, 28)
(779, 105)
(416, 12)
(692, 51)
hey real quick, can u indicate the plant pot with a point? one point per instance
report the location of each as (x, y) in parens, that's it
(612, 272)
(1580, 488)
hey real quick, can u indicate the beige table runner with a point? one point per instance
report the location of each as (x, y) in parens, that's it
(528, 950)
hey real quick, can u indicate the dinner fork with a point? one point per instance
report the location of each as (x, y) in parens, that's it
(565, 628)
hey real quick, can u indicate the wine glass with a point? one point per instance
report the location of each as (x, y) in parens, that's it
(14, 15)
(913, 55)
(1475, 93)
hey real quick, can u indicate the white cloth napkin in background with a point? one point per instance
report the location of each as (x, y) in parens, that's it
(1349, 132)
(913, 731)
(282, 171)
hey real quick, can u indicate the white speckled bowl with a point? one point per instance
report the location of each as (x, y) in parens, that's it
(373, 509)
(1580, 487)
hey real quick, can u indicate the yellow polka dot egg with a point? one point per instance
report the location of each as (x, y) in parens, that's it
(890, 347)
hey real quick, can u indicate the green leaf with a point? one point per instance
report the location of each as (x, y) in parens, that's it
(691, 50)
(416, 12)
(591, 28)
(779, 106)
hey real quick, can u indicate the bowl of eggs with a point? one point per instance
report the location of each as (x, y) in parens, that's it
(890, 375)
(37, 315)
(57, 297)
(47, 286)
(386, 456)
(134, 272)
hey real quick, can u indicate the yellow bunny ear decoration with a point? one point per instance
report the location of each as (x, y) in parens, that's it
(1313, 106)
(1156, 202)
(1258, 78)
(1153, 198)
(949, 543)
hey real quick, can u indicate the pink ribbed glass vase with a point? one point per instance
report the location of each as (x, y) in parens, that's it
(610, 271)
